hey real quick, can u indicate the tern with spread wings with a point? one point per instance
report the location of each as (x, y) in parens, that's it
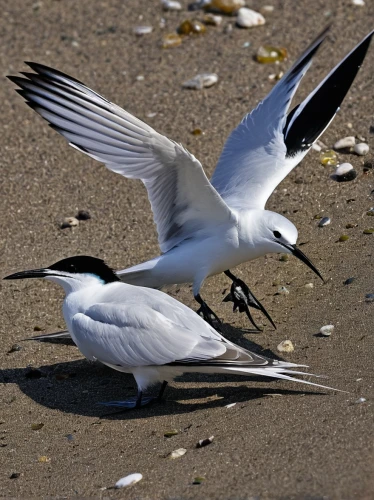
(204, 228)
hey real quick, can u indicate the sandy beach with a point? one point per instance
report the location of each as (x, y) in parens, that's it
(281, 440)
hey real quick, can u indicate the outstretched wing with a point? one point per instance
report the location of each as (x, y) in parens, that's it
(267, 144)
(182, 198)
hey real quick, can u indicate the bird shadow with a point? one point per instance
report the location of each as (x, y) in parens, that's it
(77, 387)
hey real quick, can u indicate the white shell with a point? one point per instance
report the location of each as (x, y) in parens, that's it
(267, 8)
(171, 5)
(200, 81)
(247, 18)
(344, 168)
(282, 290)
(177, 453)
(128, 480)
(316, 147)
(142, 30)
(360, 3)
(327, 330)
(360, 400)
(361, 149)
(309, 286)
(69, 222)
(345, 142)
(230, 405)
(285, 346)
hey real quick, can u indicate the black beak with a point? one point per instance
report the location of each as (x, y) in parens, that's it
(33, 273)
(300, 255)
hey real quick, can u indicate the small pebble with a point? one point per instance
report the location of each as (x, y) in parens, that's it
(171, 40)
(284, 257)
(268, 54)
(224, 6)
(344, 237)
(44, 459)
(316, 147)
(368, 165)
(360, 400)
(328, 158)
(349, 281)
(37, 427)
(350, 226)
(171, 5)
(361, 149)
(69, 222)
(267, 9)
(309, 286)
(196, 131)
(171, 433)
(248, 18)
(326, 330)
(177, 453)
(285, 346)
(204, 442)
(282, 290)
(14, 475)
(345, 143)
(212, 19)
(142, 30)
(193, 26)
(128, 480)
(370, 230)
(359, 3)
(370, 212)
(201, 81)
(14, 348)
(344, 173)
(275, 76)
(83, 215)
(325, 221)
(198, 480)
(369, 297)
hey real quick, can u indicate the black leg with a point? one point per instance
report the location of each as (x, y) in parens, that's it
(207, 314)
(243, 299)
(162, 390)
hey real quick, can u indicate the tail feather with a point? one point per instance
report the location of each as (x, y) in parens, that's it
(141, 275)
(280, 373)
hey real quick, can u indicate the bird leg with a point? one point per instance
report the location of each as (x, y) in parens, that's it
(207, 314)
(243, 299)
(162, 390)
(135, 402)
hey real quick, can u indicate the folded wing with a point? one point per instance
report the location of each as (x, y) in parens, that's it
(182, 199)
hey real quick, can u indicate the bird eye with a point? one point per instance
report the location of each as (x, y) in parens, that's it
(72, 268)
(277, 234)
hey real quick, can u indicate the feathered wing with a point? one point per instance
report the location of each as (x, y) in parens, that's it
(267, 144)
(137, 335)
(182, 198)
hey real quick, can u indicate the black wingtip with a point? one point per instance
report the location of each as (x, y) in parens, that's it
(314, 114)
(42, 69)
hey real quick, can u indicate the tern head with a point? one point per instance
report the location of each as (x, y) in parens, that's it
(280, 236)
(72, 273)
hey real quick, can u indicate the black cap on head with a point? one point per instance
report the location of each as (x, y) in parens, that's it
(86, 264)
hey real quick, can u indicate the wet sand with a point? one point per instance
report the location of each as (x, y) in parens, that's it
(280, 440)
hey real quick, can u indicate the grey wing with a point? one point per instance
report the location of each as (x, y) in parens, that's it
(254, 158)
(182, 198)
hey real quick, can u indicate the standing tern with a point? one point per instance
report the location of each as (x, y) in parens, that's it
(145, 332)
(204, 228)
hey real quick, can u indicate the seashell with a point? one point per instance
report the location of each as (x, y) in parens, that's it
(204, 442)
(361, 149)
(69, 222)
(142, 30)
(325, 221)
(212, 19)
(309, 286)
(345, 143)
(269, 54)
(224, 6)
(128, 480)
(248, 18)
(326, 330)
(360, 401)
(177, 453)
(349, 281)
(360, 3)
(328, 158)
(231, 405)
(203, 80)
(285, 346)
(171, 40)
(171, 5)
(344, 173)
(316, 147)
